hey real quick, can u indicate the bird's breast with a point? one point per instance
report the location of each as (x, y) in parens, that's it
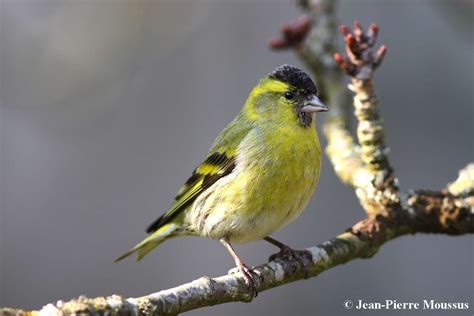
(288, 174)
(275, 176)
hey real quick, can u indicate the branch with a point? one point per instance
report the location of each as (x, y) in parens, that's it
(378, 189)
(364, 166)
(345, 155)
(428, 212)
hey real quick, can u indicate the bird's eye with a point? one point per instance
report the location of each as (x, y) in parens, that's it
(289, 95)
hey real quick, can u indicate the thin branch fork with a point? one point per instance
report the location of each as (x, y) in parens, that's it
(364, 166)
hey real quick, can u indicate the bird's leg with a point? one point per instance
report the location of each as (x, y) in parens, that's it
(246, 271)
(304, 257)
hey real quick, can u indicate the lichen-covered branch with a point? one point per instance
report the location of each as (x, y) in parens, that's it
(464, 184)
(317, 51)
(363, 165)
(379, 193)
(426, 212)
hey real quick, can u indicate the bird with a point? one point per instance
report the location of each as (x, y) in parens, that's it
(258, 176)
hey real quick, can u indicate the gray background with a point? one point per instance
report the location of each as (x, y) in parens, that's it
(107, 106)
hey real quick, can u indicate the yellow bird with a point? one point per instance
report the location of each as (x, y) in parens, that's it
(258, 176)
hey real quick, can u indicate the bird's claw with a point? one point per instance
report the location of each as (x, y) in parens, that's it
(249, 274)
(303, 257)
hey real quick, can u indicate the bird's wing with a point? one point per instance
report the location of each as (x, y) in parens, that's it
(220, 162)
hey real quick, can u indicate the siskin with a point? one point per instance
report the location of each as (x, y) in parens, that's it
(258, 176)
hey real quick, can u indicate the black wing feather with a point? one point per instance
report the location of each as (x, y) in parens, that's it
(195, 185)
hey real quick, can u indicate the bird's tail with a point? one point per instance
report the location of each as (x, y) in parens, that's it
(150, 242)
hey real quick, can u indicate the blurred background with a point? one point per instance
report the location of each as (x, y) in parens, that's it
(107, 107)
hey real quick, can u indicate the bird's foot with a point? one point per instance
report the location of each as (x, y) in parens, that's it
(249, 275)
(303, 257)
(247, 272)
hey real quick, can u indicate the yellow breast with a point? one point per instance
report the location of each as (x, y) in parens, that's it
(275, 176)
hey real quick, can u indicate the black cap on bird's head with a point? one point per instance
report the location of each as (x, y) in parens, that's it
(295, 77)
(299, 80)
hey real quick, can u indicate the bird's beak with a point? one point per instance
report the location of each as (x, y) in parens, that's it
(314, 104)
